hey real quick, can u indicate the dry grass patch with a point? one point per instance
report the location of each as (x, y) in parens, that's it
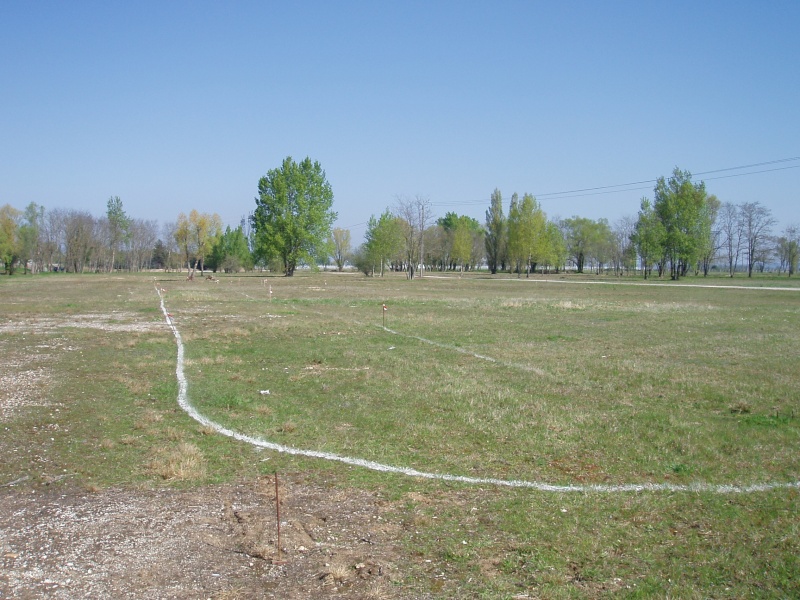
(377, 591)
(337, 574)
(569, 305)
(174, 434)
(127, 343)
(264, 410)
(181, 463)
(138, 386)
(150, 417)
(229, 594)
(153, 416)
(741, 408)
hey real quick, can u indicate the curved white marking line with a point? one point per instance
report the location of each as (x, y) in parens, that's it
(183, 401)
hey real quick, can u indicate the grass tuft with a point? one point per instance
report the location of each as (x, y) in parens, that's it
(181, 463)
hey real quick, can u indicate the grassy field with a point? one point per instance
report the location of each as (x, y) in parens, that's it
(564, 381)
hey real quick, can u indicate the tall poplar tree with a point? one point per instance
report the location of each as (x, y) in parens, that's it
(496, 228)
(118, 224)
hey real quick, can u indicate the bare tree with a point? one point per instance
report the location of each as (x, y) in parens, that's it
(730, 226)
(168, 235)
(710, 239)
(417, 215)
(437, 248)
(79, 239)
(141, 241)
(623, 254)
(51, 238)
(756, 223)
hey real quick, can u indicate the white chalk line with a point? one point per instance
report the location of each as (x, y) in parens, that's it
(183, 401)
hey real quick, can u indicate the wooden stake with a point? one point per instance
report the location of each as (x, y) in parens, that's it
(278, 515)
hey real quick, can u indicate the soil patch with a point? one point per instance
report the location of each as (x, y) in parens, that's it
(212, 542)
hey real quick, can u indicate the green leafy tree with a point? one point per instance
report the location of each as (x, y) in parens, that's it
(526, 233)
(601, 243)
(184, 239)
(230, 252)
(578, 239)
(204, 229)
(496, 229)
(293, 213)
(118, 224)
(384, 240)
(788, 249)
(461, 246)
(323, 253)
(10, 243)
(515, 246)
(461, 240)
(648, 237)
(681, 208)
(588, 242)
(160, 257)
(29, 230)
(555, 254)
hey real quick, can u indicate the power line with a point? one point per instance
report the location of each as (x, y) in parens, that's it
(626, 187)
(356, 225)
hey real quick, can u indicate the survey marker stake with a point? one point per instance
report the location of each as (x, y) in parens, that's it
(280, 560)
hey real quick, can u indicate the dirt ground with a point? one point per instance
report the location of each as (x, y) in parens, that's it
(214, 542)
(59, 540)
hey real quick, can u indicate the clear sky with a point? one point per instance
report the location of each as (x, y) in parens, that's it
(174, 106)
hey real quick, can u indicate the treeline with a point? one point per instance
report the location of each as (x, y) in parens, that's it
(35, 240)
(683, 230)
(686, 230)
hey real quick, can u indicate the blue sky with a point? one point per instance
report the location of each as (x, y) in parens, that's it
(174, 106)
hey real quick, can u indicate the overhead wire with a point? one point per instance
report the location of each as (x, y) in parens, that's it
(626, 187)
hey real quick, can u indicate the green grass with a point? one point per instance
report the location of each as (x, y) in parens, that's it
(587, 384)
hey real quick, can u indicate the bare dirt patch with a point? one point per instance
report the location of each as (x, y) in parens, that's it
(23, 380)
(213, 542)
(119, 321)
